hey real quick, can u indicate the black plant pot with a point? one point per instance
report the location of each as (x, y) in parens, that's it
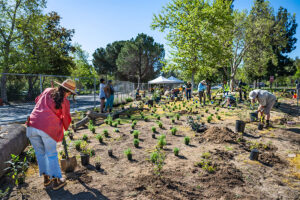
(98, 166)
(240, 126)
(71, 137)
(254, 154)
(153, 135)
(129, 156)
(85, 159)
(110, 152)
(260, 126)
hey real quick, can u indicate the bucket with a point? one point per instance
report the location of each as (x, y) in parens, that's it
(253, 116)
(254, 154)
(85, 159)
(240, 126)
(260, 126)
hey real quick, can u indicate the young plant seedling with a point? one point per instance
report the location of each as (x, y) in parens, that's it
(119, 121)
(206, 110)
(176, 151)
(177, 116)
(162, 141)
(209, 119)
(77, 144)
(99, 138)
(128, 154)
(173, 120)
(136, 143)
(153, 129)
(116, 130)
(174, 130)
(105, 133)
(160, 125)
(115, 124)
(136, 134)
(186, 140)
(85, 137)
(218, 117)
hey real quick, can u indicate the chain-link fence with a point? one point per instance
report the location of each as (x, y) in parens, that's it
(22, 89)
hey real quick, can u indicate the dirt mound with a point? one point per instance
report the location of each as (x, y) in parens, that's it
(270, 159)
(219, 135)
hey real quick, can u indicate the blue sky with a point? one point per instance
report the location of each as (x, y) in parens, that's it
(99, 22)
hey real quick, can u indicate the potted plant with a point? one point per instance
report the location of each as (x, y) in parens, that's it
(153, 129)
(119, 121)
(176, 151)
(97, 163)
(77, 144)
(128, 154)
(105, 133)
(136, 143)
(174, 130)
(85, 153)
(162, 141)
(173, 120)
(160, 125)
(110, 152)
(85, 137)
(187, 140)
(136, 134)
(99, 138)
(116, 130)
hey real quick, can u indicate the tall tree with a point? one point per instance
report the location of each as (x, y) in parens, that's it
(141, 58)
(13, 14)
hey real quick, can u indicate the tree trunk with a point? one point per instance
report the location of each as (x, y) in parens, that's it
(193, 80)
(31, 83)
(3, 88)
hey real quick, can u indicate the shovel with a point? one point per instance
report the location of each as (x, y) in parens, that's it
(68, 164)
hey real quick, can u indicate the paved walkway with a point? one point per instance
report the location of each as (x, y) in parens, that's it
(20, 112)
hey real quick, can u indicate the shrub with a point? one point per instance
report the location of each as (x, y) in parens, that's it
(176, 151)
(92, 152)
(209, 119)
(174, 130)
(136, 134)
(153, 156)
(160, 125)
(77, 144)
(85, 137)
(105, 132)
(99, 137)
(17, 168)
(115, 124)
(153, 129)
(187, 140)
(136, 142)
(157, 158)
(128, 154)
(162, 141)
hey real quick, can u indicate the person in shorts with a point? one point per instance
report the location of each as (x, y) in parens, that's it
(102, 95)
(266, 102)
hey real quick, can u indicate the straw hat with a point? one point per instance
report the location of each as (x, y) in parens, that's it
(69, 85)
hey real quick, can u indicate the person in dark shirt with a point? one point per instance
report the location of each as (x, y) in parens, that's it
(188, 90)
(242, 90)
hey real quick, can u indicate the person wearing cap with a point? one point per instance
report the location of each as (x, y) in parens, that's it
(109, 93)
(102, 95)
(45, 128)
(201, 91)
(188, 90)
(266, 101)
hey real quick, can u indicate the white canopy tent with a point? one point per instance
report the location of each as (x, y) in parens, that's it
(161, 80)
(175, 80)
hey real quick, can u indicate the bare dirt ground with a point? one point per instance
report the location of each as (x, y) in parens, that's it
(276, 174)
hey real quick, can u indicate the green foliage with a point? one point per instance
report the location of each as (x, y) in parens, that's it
(160, 125)
(173, 120)
(99, 137)
(116, 130)
(206, 110)
(77, 144)
(128, 100)
(161, 141)
(206, 155)
(136, 134)
(105, 133)
(174, 130)
(17, 168)
(119, 121)
(146, 119)
(4, 193)
(128, 154)
(218, 117)
(176, 151)
(209, 118)
(153, 128)
(115, 124)
(158, 159)
(85, 137)
(136, 142)
(30, 154)
(186, 140)
(177, 116)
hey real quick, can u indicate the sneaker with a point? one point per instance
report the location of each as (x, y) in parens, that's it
(47, 180)
(58, 183)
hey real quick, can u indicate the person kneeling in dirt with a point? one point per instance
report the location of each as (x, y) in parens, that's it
(266, 101)
(229, 101)
(45, 127)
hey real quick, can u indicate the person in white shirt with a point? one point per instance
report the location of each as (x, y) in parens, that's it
(266, 102)
(102, 95)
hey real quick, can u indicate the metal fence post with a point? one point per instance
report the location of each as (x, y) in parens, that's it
(41, 84)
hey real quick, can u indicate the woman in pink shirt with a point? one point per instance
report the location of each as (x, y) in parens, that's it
(46, 125)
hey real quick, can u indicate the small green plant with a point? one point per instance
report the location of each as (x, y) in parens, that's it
(174, 130)
(186, 140)
(206, 155)
(134, 122)
(99, 138)
(105, 133)
(136, 134)
(119, 121)
(17, 169)
(173, 120)
(132, 126)
(160, 125)
(206, 111)
(4, 193)
(157, 117)
(177, 116)
(106, 121)
(31, 155)
(110, 122)
(209, 118)
(153, 129)
(176, 151)
(85, 137)
(136, 143)
(128, 154)
(161, 141)
(146, 119)
(77, 144)
(218, 117)
(158, 159)
(217, 109)
(115, 124)
(116, 130)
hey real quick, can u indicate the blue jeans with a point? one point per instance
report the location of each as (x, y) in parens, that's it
(188, 94)
(45, 151)
(109, 102)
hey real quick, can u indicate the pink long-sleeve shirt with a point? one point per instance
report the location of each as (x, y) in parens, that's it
(47, 118)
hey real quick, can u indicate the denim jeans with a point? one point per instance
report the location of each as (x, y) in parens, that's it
(45, 151)
(109, 102)
(188, 94)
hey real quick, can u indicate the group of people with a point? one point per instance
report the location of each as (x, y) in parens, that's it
(51, 116)
(106, 93)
